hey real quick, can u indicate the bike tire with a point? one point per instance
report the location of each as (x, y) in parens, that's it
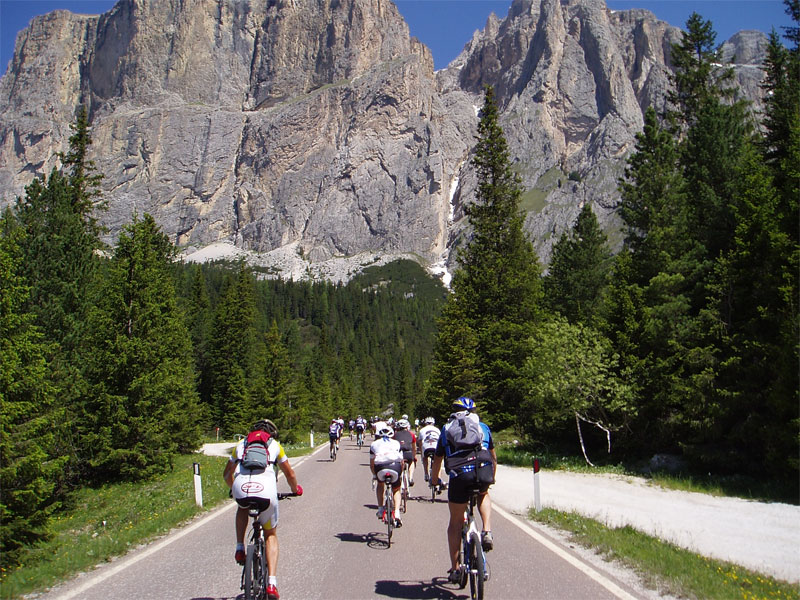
(404, 493)
(476, 567)
(250, 590)
(389, 514)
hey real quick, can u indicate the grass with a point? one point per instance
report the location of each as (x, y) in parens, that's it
(666, 567)
(111, 520)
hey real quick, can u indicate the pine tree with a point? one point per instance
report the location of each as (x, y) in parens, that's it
(30, 467)
(578, 271)
(231, 367)
(497, 289)
(143, 405)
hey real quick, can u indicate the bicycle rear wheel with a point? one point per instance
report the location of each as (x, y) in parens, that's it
(255, 572)
(389, 513)
(404, 492)
(476, 567)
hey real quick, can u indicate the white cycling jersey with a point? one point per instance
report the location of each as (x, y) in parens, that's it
(259, 483)
(429, 437)
(386, 451)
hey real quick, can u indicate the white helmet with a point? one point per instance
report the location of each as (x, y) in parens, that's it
(429, 421)
(385, 431)
(403, 424)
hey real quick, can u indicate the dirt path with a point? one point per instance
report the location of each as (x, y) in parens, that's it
(764, 537)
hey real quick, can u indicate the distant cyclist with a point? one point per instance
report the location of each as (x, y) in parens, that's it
(465, 474)
(334, 432)
(385, 455)
(427, 441)
(259, 486)
(408, 444)
(361, 427)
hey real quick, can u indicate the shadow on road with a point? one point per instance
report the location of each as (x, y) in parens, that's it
(372, 539)
(417, 589)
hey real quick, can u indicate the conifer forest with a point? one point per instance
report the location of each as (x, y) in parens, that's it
(683, 341)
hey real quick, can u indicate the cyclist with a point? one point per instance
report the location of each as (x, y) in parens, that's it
(351, 425)
(458, 488)
(361, 426)
(408, 444)
(260, 486)
(427, 441)
(385, 453)
(334, 431)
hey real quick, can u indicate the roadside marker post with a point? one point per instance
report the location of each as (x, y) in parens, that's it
(312, 439)
(537, 503)
(198, 485)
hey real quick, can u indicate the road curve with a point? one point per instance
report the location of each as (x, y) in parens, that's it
(333, 546)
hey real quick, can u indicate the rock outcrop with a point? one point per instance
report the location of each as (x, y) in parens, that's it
(320, 126)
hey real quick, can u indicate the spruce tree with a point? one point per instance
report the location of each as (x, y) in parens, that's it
(30, 465)
(496, 290)
(142, 407)
(578, 271)
(233, 347)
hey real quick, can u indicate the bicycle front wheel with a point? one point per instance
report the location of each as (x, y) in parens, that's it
(476, 567)
(404, 492)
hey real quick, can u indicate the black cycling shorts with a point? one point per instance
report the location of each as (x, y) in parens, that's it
(261, 504)
(459, 489)
(408, 456)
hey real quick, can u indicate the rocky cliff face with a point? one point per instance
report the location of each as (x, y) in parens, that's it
(320, 126)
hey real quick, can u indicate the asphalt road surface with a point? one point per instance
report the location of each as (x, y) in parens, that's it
(333, 546)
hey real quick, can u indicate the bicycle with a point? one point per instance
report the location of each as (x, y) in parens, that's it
(475, 568)
(388, 502)
(254, 573)
(360, 438)
(334, 450)
(404, 489)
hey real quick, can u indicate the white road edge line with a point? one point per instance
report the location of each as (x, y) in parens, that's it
(575, 562)
(125, 563)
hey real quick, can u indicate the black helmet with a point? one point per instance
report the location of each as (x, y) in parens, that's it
(266, 425)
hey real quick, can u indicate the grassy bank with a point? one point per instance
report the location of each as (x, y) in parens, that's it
(666, 567)
(715, 485)
(111, 520)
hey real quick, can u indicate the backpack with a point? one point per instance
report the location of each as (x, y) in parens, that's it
(256, 453)
(464, 434)
(468, 459)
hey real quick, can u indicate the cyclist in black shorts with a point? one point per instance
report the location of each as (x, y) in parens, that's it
(478, 473)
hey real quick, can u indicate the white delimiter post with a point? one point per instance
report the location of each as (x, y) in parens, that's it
(312, 440)
(198, 486)
(537, 503)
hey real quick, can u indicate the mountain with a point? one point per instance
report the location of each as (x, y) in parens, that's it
(316, 132)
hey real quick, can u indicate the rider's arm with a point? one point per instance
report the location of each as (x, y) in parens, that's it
(437, 466)
(227, 474)
(288, 472)
(372, 463)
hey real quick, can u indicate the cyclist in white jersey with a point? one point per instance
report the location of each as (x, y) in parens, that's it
(259, 486)
(385, 455)
(427, 440)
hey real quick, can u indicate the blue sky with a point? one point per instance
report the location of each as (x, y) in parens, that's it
(445, 26)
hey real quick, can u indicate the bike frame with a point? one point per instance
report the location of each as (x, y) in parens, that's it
(255, 575)
(472, 555)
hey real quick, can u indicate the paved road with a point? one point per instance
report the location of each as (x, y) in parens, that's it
(333, 546)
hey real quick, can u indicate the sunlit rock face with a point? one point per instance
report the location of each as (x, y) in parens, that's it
(320, 126)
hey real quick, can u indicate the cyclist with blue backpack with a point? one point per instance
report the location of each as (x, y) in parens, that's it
(251, 476)
(467, 450)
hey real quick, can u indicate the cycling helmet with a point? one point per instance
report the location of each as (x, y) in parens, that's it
(266, 425)
(464, 403)
(404, 417)
(386, 431)
(429, 421)
(403, 424)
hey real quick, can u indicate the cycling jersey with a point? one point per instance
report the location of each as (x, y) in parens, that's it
(407, 442)
(257, 486)
(429, 437)
(385, 451)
